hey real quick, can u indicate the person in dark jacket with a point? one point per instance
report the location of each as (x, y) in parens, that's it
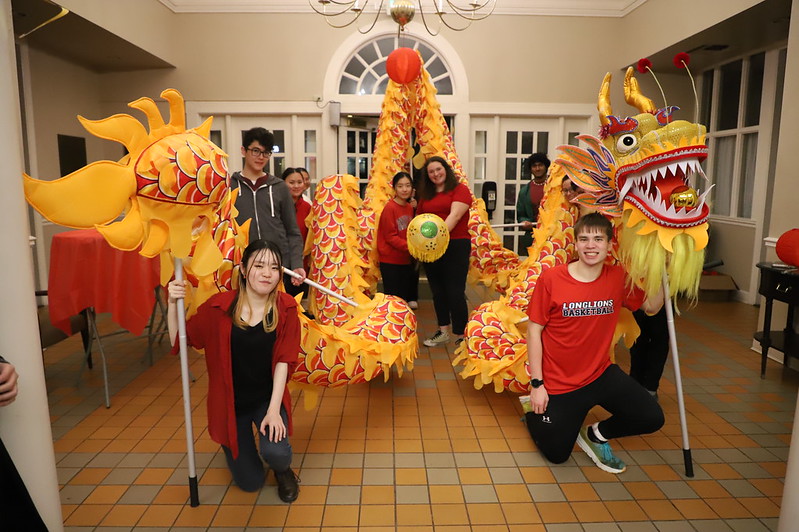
(265, 199)
(530, 196)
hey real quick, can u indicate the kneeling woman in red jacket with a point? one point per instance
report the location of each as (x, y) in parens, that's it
(251, 338)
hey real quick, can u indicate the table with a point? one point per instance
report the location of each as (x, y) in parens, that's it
(782, 285)
(88, 275)
(86, 272)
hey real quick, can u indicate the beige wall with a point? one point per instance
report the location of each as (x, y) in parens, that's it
(729, 241)
(146, 23)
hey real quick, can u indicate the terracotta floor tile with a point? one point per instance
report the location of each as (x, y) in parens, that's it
(269, 516)
(90, 476)
(708, 488)
(520, 513)
(485, 514)
(760, 506)
(449, 514)
(594, 474)
(377, 515)
(120, 446)
(494, 445)
(379, 446)
(644, 490)
(411, 476)
(408, 446)
(154, 476)
(776, 469)
(579, 491)
(556, 512)
(445, 494)
(160, 515)
(341, 515)
(436, 446)
(377, 495)
(346, 477)
(729, 508)
(591, 512)
(305, 516)
(660, 510)
(467, 446)
(409, 515)
(625, 511)
(199, 516)
(88, 515)
(351, 446)
(474, 475)
(770, 487)
(694, 509)
(216, 476)
(510, 493)
(721, 471)
(537, 475)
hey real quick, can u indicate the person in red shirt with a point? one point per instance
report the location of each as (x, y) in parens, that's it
(251, 338)
(441, 194)
(296, 183)
(396, 267)
(573, 314)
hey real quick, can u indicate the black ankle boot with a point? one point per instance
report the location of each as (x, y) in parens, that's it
(288, 485)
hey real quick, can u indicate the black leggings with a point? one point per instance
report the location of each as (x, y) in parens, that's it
(397, 280)
(447, 278)
(650, 351)
(248, 469)
(633, 411)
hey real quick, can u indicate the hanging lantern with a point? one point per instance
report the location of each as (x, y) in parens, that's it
(788, 247)
(403, 65)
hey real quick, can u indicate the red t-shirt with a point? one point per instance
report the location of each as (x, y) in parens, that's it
(303, 209)
(579, 320)
(392, 240)
(441, 204)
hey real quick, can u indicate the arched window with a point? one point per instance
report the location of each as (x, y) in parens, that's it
(365, 72)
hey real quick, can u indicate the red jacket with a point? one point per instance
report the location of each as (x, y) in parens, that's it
(210, 329)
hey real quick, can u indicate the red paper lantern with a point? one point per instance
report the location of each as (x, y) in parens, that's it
(788, 247)
(403, 65)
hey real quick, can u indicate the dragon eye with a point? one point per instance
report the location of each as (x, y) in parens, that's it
(626, 143)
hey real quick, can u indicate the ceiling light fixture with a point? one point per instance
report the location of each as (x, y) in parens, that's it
(455, 15)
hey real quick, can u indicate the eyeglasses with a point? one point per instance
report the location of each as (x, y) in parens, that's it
(256, 152)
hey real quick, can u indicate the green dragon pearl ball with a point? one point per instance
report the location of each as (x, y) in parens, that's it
(428, 229)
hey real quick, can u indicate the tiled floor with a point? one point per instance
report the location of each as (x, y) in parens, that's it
(427, 451)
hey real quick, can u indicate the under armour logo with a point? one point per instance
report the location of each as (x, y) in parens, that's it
(545, 419)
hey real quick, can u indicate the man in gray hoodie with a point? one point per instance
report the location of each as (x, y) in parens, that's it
(265, 199)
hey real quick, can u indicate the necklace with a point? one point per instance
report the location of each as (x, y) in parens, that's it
(541, 184)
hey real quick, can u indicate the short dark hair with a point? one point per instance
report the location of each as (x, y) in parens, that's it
(288, 171)
(400, 175)
(537, 158)
(258, 134)
(593, 222)
(426, 188)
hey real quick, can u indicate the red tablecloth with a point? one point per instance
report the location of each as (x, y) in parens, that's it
(87, 272)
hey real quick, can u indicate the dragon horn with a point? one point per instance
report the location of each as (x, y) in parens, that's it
(633, 96)
(603, 105)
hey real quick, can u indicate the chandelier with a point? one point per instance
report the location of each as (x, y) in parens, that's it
(456, 15)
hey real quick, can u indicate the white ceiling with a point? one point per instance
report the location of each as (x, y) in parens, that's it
(582, 8)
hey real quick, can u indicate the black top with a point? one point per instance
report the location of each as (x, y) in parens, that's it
(251, 352)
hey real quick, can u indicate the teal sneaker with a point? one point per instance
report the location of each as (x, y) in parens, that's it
(600, 453)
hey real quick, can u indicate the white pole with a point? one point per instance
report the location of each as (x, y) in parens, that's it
(500, 226)
(25, 424)
(194, 496)
(675, 357)
(321, 288)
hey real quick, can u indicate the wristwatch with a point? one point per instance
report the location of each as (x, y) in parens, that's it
(536, 383)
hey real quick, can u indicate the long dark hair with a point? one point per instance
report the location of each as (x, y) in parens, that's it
(426, 187)
(241, 300)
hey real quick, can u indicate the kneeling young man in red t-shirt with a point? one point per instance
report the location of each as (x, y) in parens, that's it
(573, 314)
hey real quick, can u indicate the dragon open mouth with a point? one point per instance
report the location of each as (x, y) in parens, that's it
(660, 187)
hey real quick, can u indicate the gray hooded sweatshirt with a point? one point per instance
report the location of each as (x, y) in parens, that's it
(271, 210)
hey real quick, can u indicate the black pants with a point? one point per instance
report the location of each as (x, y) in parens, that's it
(247, 468)
(397, 280)
(17, 511)
(447, 277)
(633, 411)
(650, 351)
(291, 289)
